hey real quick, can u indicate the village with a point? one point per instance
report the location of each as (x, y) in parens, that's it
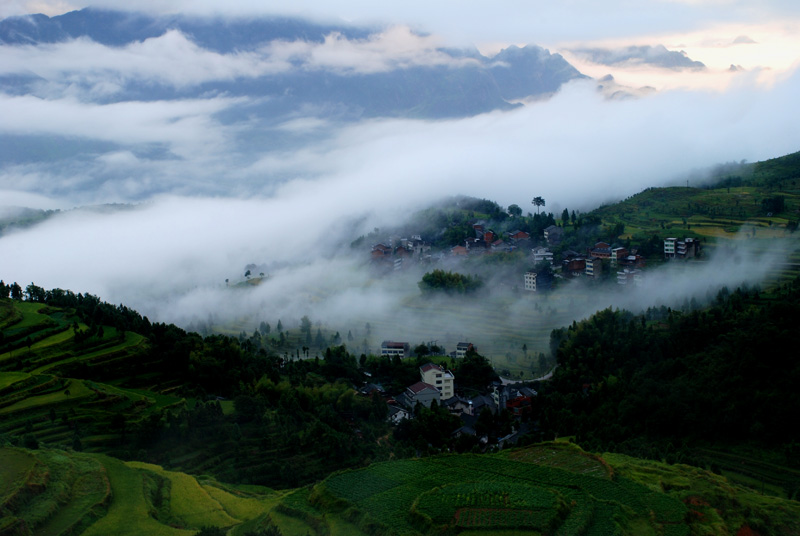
(546, 262)
(436, 388)
(602, 260)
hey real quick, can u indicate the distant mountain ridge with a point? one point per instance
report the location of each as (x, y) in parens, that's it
(455, 89)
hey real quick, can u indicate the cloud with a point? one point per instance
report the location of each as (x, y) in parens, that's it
(186, 126)
(395, 48)
(574, 147)
(96, 71)
(170, 59)
(221, 187)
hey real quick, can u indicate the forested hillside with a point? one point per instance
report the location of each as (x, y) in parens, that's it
(668, 384)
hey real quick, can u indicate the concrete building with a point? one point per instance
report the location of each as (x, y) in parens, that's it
(553, 234)
(594, 267)
(462, 348)
(681, 249)
(542, 254)
(537, 282)
(617, 254)
(443, 380)
(422, 393)
(391, 348)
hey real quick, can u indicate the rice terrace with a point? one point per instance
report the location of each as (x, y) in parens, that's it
(546, 489)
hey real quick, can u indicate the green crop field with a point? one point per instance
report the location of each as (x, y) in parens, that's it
(494, 492)
(128, 513)
(56, 492)
(15, 467)
(10, 378)
(189, 501)
(543, 490)
(40, 399)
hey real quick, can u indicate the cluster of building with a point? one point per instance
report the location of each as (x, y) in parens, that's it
(629, 265)
(403, 349)
(437, 384)
(487, 241)
(397, 252)
(400, 251)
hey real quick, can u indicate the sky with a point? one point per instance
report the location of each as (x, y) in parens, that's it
(209, 200)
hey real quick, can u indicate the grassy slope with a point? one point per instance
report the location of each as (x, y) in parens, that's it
(714, 501)
(189, 501)
(611, 494)
(30, 397)
(60, 492)
(128, 512)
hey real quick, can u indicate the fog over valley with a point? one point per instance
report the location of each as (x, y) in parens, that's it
(178, 156)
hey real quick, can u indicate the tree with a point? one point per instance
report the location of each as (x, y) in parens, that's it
(319, 341)
(247, 273)
(449, 282)
(564, 217)
(515, 210)
(16, 291)
(34, 293)
(305, 325)
(538, 202)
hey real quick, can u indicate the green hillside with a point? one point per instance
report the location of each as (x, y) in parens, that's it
(112, 425)
(759, 203)
(55, 492)
(41, 348)
(541, 490)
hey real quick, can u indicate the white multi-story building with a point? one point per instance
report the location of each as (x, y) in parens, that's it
(542, 254)
(391, 348)
(681, 249)
(442, 379)
(534, 282)
(462, 348)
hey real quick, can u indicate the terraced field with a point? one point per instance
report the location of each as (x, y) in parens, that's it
(496, 493)
(53, 492)
(542, 490)
(39, 397)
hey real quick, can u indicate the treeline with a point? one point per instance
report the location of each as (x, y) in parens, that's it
(722, 374)
(88, 308)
